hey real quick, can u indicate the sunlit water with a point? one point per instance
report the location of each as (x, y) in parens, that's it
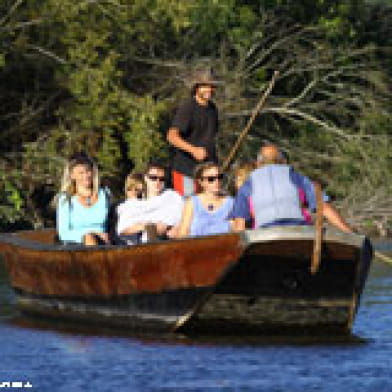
(62, 358)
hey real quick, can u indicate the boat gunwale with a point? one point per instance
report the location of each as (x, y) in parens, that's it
(246, 238)
(305, 232)
(15, 239)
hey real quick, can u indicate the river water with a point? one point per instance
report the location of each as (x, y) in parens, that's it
(64, 358)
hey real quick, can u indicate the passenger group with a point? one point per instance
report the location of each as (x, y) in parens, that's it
(268, 193)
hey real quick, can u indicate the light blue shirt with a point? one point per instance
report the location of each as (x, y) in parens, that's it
(206, 222)
(75, 220)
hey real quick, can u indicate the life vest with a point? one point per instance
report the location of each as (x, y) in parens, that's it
(274, 195)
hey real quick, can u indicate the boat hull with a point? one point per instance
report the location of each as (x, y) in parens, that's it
(271, 290)
(257, 282)
(137, 312)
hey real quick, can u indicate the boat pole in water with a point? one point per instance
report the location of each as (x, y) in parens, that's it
(317, 245)
(383, 257)
(251, 120)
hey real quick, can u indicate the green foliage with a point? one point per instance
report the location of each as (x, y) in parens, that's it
(11, 200)
(103, 76)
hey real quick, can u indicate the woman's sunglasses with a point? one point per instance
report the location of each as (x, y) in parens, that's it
(213, 178)
(156, 178)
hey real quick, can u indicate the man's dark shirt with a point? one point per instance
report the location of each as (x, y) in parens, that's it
(198, 125)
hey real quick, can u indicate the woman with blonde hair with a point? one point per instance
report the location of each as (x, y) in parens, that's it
(208, 211)
(82, 205)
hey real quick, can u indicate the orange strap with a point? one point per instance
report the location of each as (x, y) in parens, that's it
(178, 182)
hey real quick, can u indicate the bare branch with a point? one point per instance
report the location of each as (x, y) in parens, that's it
(11, 11)
(22, 25)
(48, 53)
(308, 117)
(302, 95)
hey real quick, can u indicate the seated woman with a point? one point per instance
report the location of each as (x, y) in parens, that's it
(161, 208)
(82, 206)
(207, 212)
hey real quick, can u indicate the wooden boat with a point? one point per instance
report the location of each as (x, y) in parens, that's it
(255, 282)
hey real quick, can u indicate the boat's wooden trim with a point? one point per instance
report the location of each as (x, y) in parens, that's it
(155, 311)
(278, 233)
(296, 318)
(45, 239)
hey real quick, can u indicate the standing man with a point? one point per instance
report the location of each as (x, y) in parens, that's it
(193, 132)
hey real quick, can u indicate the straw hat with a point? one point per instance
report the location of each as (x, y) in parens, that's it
(204, 76)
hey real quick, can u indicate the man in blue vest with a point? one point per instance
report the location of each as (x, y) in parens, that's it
(271, 195)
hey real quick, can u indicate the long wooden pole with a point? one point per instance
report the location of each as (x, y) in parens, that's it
(251, 120)
(318, 227)
(383, 257)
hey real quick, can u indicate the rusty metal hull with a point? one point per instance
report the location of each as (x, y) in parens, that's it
(255, 282)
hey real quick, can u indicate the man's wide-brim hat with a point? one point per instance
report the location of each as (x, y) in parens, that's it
(204, 77)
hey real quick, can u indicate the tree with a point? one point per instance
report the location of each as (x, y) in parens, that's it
(104, 76)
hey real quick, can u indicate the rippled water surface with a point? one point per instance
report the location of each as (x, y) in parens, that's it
(62, 358)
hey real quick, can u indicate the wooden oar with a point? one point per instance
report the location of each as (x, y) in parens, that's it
(251, 120)
(383, 257)
(317, 245)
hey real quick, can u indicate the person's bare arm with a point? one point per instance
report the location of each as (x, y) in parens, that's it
(174, 138)
(162, 228)
(172, 232)
(334, 218)
(104, 237)
(238, 224)
(186, 219)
